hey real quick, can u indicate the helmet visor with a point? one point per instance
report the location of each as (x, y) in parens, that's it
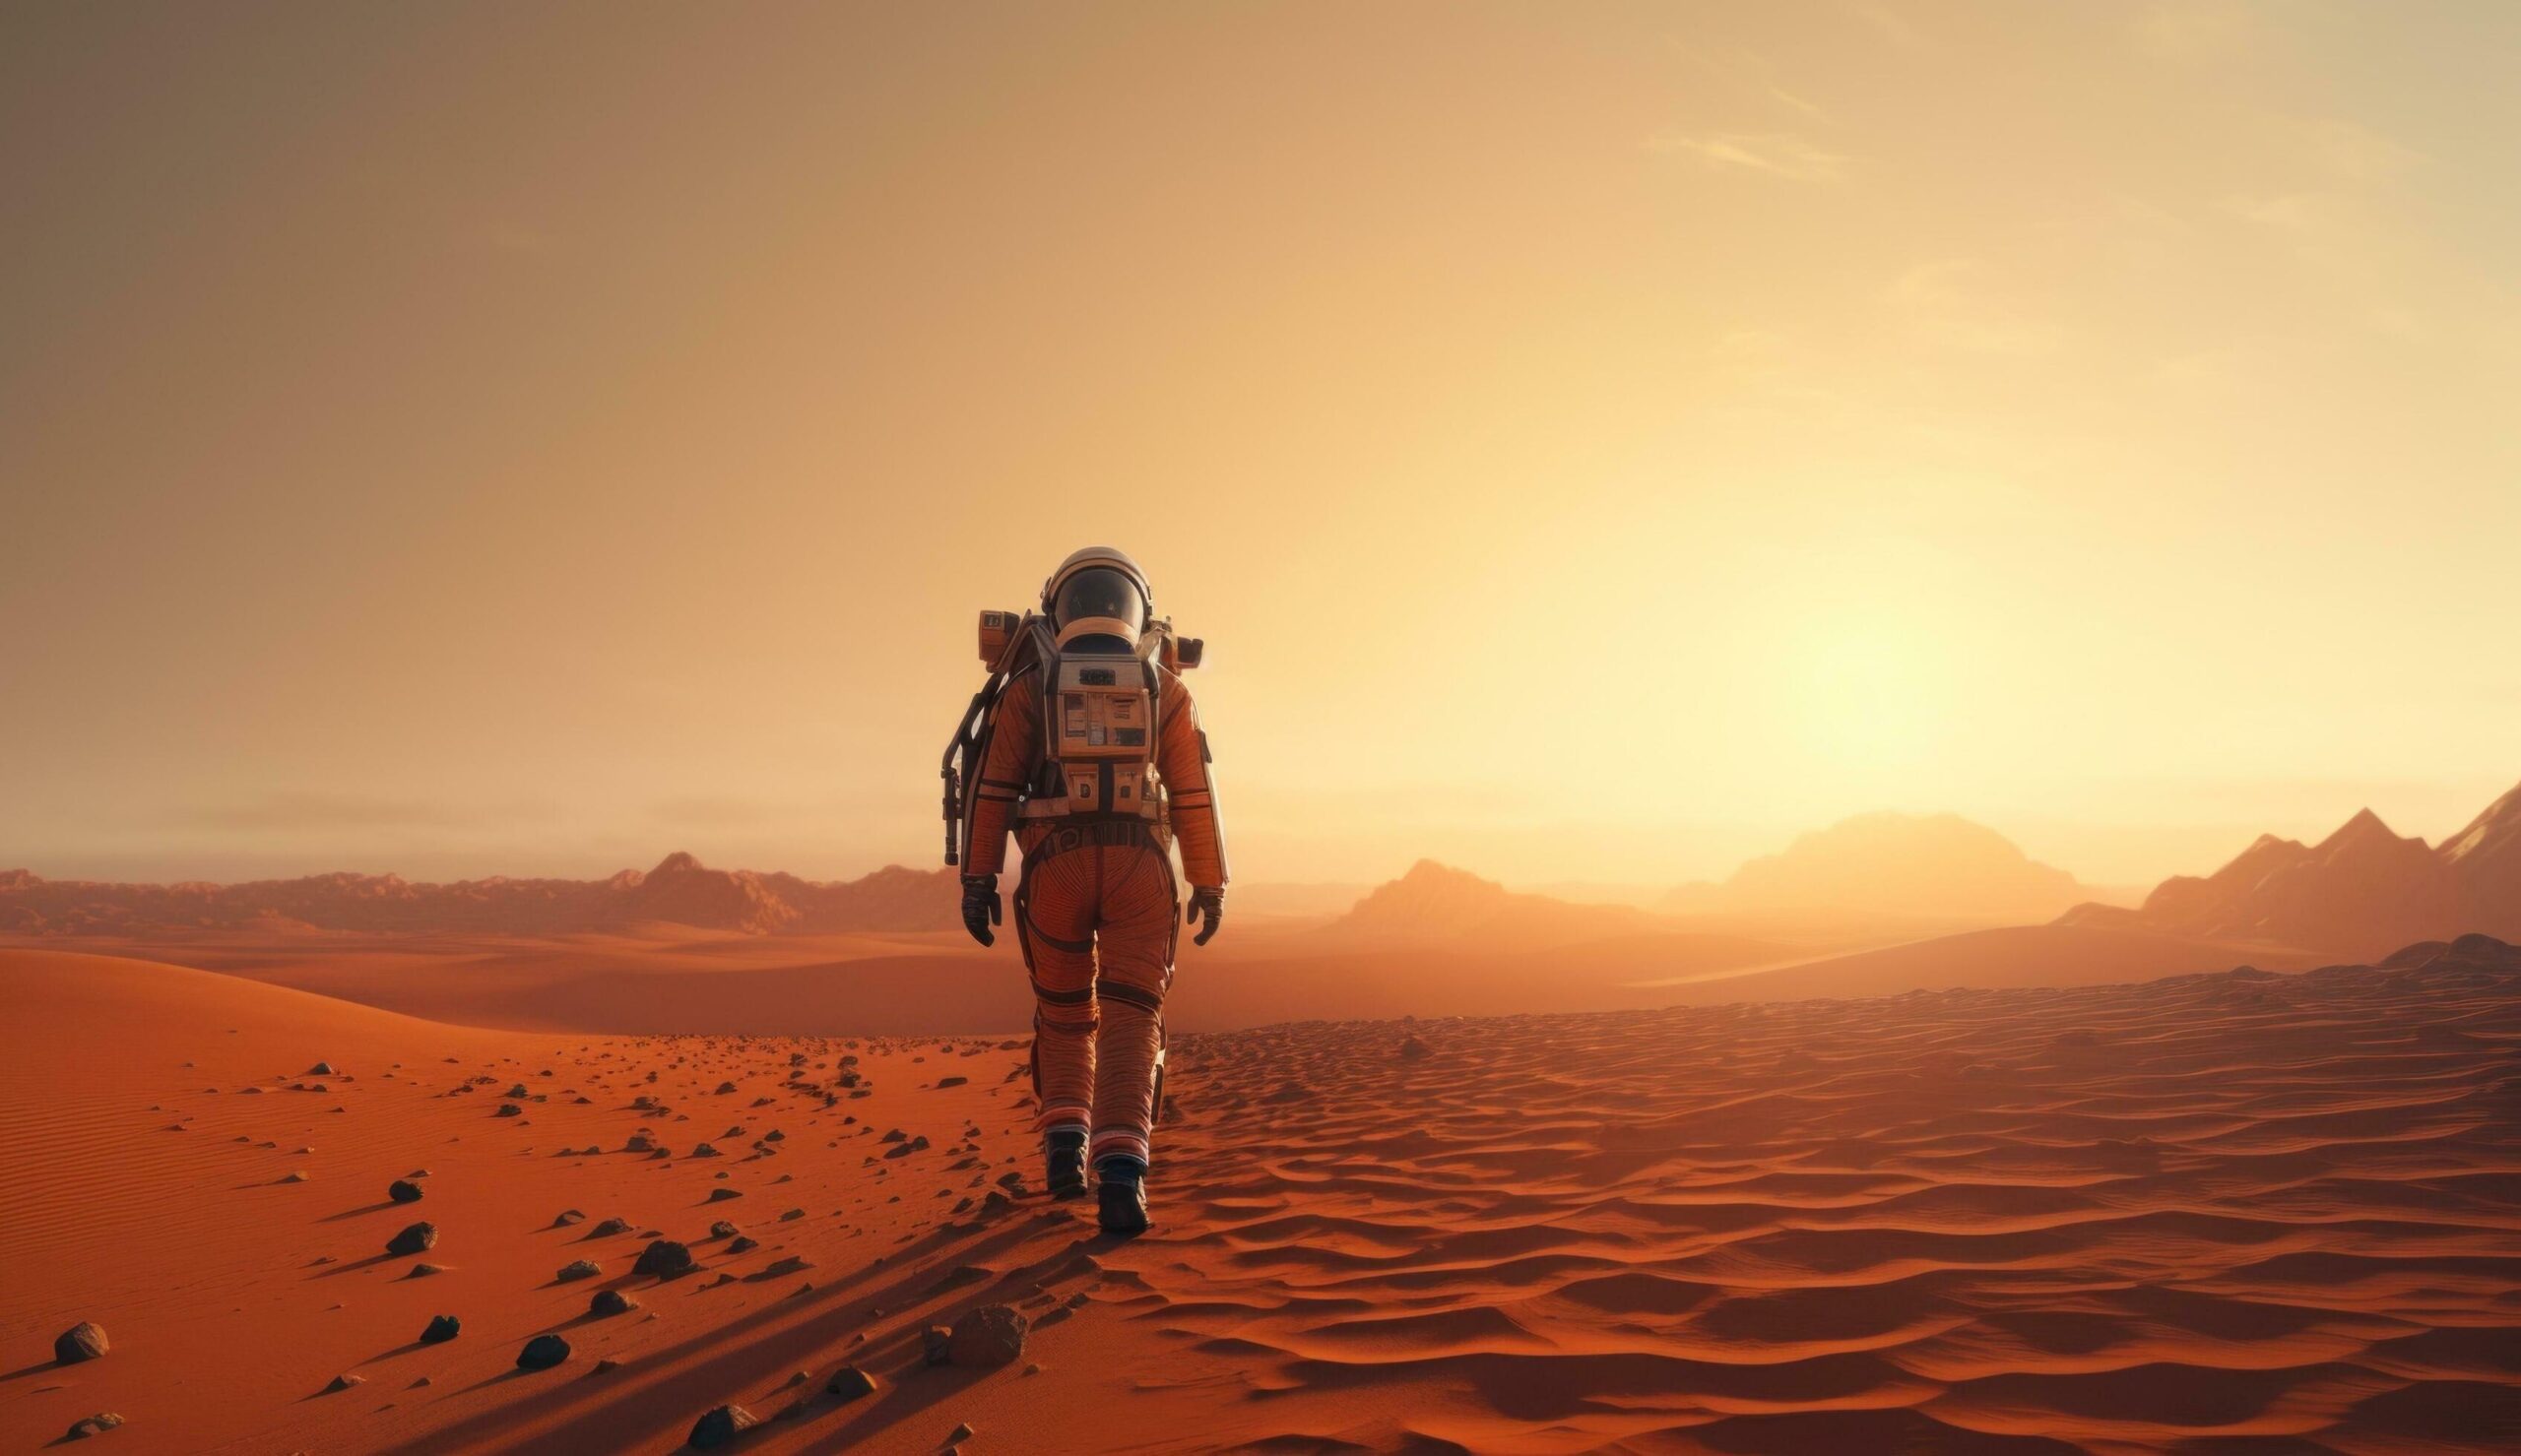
(1099, 592)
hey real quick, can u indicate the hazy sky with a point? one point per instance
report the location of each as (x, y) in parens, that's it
(1597, 441)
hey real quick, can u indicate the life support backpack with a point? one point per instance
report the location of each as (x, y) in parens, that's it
(1100, 725)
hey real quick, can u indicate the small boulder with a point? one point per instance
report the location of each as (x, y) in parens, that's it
(344, 1382)
(664, 1258)
(580, 1269)
(83, 1341)
(721, 1195)
(720, 1425)
(740, 1245)
(542, 1353)
(88, 1425)
(989, 1337)
(721, 1230)
(609, 1302)
(849, 1383)
(441, 1329)
(418, 1239)
(403, 1190)
(609, 1228)
(567, 1217)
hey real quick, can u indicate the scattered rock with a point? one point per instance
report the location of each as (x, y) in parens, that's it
(567, 1217)
(542, 1353)
(424, 1271)
(849, 1383)
(1413, 1050)
(937, 1345)
(83, 1341)
(403, 1190)
(944, 1082)
(741, 1244)
(721, 1195)
(88, 1425)
(420, 1238)
(610, 1303)
(581, 1269)
(720, 1425)
(441, 1329)
(344, 1382)
(609, 1228)
(721, 1230)
(792, 1264)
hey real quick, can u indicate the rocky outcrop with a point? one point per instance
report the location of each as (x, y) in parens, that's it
(2359, 892)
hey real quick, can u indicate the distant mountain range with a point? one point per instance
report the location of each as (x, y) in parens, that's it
(679, 890)
(2362, 891)
(1912, 865)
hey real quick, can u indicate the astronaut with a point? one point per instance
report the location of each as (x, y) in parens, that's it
(1099, 790)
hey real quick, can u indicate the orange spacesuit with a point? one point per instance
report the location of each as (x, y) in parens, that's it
(1098, 791)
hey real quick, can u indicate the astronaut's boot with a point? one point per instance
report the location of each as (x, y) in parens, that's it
(1064, 1162)
(1119, 1186)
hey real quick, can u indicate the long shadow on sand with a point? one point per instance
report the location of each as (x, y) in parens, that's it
(360, 1212)
(38, 1368)
(739, 1355)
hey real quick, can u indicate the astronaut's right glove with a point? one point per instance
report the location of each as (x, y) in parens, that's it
(980, 906)
(1207, 904)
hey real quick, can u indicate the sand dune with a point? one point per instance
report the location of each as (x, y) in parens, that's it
(2238, 1212)
(2010, 956)
(921, 984)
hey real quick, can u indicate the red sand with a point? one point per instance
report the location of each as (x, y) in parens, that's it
(2220, 1213)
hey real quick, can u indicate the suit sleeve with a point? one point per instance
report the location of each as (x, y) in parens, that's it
(1181, 757)
(1014, 751)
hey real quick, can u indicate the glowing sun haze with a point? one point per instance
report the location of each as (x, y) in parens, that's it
(1596, 442)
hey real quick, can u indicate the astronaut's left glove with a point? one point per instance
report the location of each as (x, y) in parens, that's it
(980, 906)
(1207, 904)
